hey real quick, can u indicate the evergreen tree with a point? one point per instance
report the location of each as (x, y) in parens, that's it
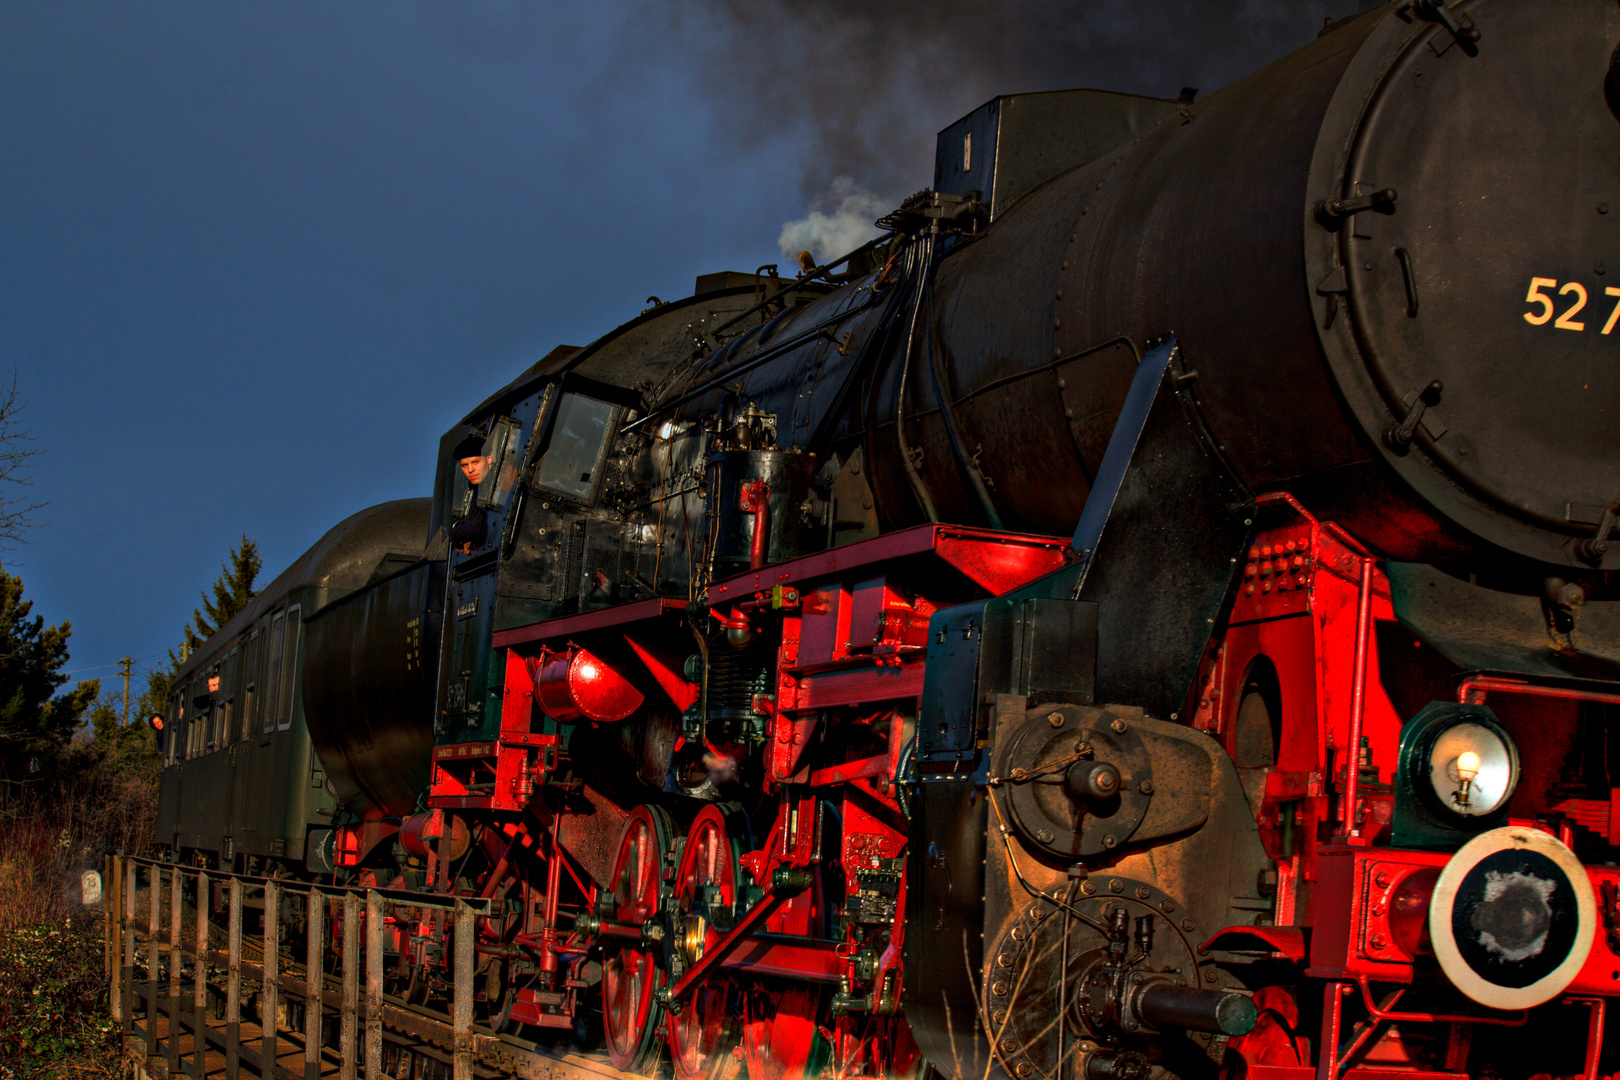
(130, 750)
(33, 716)
(232, 591)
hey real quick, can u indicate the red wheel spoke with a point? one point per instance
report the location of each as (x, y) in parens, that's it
(630, 1010)
(704, 1033)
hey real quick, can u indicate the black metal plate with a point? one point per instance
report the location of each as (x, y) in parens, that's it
(1507, 169)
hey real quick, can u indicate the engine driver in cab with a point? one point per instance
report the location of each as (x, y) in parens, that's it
(471, 523)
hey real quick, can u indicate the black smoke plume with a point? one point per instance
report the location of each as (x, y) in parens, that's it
(870, 82)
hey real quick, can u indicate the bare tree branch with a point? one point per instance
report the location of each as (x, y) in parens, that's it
(17, 454)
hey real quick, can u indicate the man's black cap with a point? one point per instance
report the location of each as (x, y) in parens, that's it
(471, 446)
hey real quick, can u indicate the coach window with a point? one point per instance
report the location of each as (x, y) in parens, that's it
(225, 699)
(250, 684)
(289, 668)
(272, 671)
(176, 732)
(197, 742)
(217, 728)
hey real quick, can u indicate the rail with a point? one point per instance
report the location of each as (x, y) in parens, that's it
(386, 1036)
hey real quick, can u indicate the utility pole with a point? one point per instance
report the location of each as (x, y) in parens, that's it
(127, 663)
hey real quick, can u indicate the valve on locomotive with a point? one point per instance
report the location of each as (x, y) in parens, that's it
(761, 506)
(1106, 980)
(1118, 995)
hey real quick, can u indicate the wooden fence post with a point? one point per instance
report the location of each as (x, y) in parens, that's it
(314, 951)
(128, 935)
(374, 984)
(154, 907)
(176, 917)
(106, 925)
(269, 1068)
(199, 981)
(112, 899)
(462, 1010)
(233, 984)
(351, 982)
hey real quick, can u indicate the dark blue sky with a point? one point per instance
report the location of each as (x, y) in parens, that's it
(255, 257)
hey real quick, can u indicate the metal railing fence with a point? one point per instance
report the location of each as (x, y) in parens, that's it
(157, 1011)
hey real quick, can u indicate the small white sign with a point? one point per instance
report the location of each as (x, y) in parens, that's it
(90, 886)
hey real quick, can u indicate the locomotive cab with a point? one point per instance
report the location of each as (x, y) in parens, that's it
(536, 483)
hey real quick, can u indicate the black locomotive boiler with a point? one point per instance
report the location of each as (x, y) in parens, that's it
(1152, 612)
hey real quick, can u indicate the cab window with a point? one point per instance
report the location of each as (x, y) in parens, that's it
(501, 454)
(572, 463)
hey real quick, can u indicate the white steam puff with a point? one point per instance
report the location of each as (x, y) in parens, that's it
(839, 221)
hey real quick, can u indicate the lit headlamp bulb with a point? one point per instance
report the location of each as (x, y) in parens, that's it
(1467, 766)
(1472, 768)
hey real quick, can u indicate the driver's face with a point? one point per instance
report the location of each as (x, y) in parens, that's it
(474, 468)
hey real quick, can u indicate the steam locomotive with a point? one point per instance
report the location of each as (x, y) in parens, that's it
(1151, 613)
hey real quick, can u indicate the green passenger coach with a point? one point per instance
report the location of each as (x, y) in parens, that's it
(240, 786)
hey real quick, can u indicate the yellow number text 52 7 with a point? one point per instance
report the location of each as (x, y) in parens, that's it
(1566, 321)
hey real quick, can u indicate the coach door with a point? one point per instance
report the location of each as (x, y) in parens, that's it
(245, 759)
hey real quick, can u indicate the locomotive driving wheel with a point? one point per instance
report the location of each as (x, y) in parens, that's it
(779, 1032)
(704, 1032)
(630, 974)
(499, 980)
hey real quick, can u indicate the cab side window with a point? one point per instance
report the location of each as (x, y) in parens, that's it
(573, 461)
(501, 450)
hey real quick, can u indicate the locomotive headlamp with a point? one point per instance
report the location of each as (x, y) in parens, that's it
(1472, 769)
(1457, 770)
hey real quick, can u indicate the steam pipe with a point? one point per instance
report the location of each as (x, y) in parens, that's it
(802, 279)
(873, 348)
(1358, 699)
(755, 499)
(919, 487)
(765, 355)
(1165, 1005)
(936, 365)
